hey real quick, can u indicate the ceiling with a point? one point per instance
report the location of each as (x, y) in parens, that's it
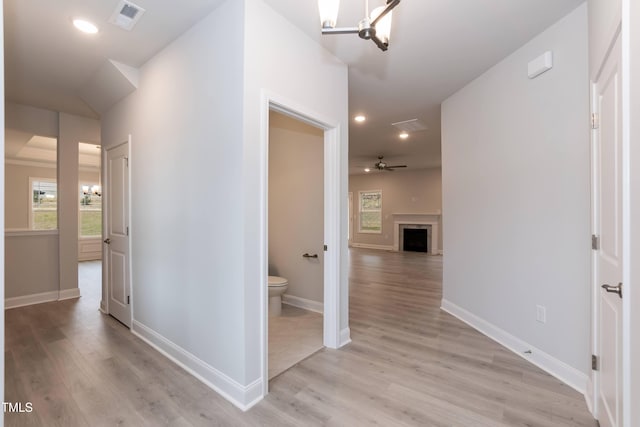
(437, 46)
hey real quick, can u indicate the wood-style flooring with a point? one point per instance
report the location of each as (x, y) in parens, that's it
(409, 364)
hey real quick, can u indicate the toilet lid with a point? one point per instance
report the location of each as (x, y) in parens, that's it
(277, 281)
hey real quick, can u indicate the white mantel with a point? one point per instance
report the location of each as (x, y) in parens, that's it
(428, 218)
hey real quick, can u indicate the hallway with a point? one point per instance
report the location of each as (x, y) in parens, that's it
(409, 364)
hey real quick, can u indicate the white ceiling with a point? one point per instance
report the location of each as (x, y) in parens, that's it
(437, 46)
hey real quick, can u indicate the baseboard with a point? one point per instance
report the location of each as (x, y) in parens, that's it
(565, 373)
(69, 294)
(25, 300)
(345, 337)
(367, 246)
(244, 397)
(588, 396)
(303, 303)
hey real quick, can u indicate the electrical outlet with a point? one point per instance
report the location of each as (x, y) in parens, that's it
(541, 313)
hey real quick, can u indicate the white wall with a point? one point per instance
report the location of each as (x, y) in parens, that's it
(296, 206)
(516, 200)
(187, 231)
(194, 123)
(32, 267)
(72, 131)
(403, 192)
(604, 21)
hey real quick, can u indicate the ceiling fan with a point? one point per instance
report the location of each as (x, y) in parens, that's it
(383, 166)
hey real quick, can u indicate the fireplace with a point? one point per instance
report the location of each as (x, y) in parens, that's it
(415, 239)
(428, 221)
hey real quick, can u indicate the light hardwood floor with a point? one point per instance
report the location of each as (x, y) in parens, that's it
(409, 364)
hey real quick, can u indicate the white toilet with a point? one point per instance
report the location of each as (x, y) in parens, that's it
(277, 287)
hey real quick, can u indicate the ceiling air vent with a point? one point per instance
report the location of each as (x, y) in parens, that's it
(413, 125)
(126, 15)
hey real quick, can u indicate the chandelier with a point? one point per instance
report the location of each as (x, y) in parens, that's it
(375, 26)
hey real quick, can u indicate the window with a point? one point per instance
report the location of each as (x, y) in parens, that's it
(43, 214)
(370, 211)
(90, 215)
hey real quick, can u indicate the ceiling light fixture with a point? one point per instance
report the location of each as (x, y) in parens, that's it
(375, 26)
(360, 118)
(85, 26)
(403, 135)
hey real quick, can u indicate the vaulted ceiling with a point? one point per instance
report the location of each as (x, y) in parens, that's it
(437, 46)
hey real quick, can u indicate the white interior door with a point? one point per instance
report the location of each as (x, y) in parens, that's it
(117, 233)
(607, 195)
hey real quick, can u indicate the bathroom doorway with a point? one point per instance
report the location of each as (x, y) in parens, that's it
(295, 241)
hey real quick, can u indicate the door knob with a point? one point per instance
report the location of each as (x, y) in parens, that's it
(107, 241)
(305, 255)
(613, 289)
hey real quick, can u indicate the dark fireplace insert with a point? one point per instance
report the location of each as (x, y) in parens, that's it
(415, 240)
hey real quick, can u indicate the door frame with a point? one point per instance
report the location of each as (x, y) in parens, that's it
(333, 222)
(629, 366)
(351, 218)
(104, 303)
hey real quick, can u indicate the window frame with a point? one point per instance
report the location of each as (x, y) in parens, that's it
(33, 179)
(360, 211)
(80, 196)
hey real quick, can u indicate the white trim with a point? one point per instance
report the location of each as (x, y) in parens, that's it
(588, 396)
(345, 336)
(30, 233)
(368, 246)
(69, 294)
(32, 299)
(244, 397)
(565, 373)
(303, 303)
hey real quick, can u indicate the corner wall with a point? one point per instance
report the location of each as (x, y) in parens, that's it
(187, 231)
(516, 202)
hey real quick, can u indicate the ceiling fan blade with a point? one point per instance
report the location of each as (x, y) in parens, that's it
(397, 166)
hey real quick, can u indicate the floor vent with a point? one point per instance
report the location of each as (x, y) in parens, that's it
(126, 15)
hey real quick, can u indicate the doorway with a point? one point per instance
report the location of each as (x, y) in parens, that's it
(116, 260)
(296, 240)
(335, 292)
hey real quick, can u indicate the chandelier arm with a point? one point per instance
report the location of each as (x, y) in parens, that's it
(379, 43)
(390, 5)
(343, 30)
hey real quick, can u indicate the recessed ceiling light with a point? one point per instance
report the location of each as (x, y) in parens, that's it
(360, 118)
(85, 26)
(367, 170)
(403, 135)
